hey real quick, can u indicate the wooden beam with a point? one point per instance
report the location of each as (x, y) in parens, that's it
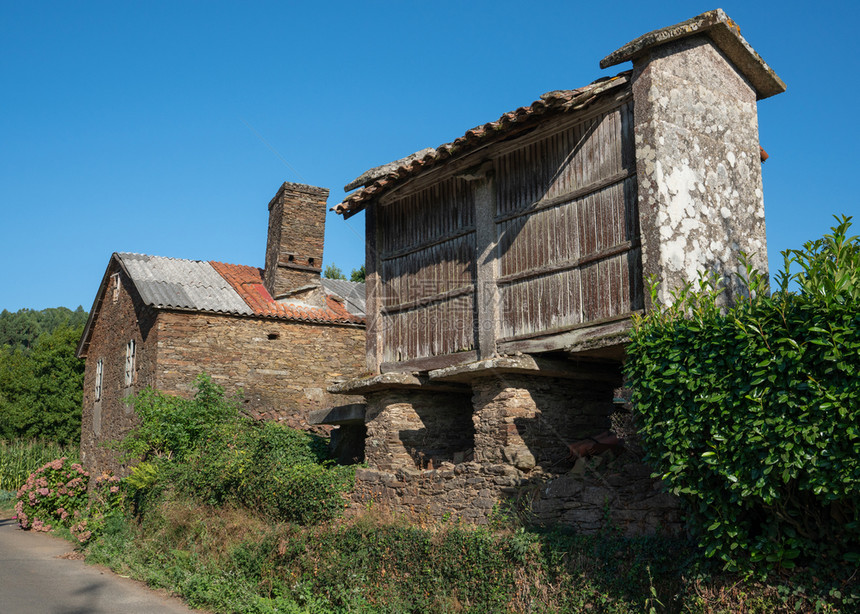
(487, 300)
(565, 265)
(462, 232)
(430, 363)
(603, 333)
(373, 339)
(427, 300)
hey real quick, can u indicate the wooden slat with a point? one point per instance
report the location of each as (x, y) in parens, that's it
(568, 264)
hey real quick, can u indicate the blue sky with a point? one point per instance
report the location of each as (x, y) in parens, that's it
(166, 127)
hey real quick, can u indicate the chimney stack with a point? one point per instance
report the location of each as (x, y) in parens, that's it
(698, 161)
(294, 247)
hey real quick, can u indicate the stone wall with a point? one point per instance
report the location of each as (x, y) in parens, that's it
(282, 367)
(601, 494)
(516, 454)
(415, 430)
(119, 321)
(529, 421)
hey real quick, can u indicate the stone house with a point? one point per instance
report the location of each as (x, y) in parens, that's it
(279, 334)
(503, 270)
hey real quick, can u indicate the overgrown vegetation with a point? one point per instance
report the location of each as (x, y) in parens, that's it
(41, 381)
(206, 448)
(228, 559)
(751, 414)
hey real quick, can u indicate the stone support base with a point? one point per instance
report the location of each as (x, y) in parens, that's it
(415, 429)
(529, 421)
(601, 495)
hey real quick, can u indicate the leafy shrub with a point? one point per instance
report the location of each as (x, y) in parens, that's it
(173, 426)
(268, 467)
(751, 414)
(303, 493)
(225, 458)
(52, 495)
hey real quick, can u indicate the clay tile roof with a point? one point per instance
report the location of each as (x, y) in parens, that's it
(378, 180)
(248, 283)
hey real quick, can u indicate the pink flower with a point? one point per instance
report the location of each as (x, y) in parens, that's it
(114, 488)
(43, 491)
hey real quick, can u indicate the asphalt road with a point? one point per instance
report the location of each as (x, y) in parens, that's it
(36, 577)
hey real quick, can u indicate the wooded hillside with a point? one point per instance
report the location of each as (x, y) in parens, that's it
(40, 378)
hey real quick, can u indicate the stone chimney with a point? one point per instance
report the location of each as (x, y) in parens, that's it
(695, 87)
(294, 247)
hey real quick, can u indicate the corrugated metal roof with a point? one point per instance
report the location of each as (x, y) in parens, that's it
(182, 284)
(351, 292)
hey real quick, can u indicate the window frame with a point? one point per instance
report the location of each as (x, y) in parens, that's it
(130, 355)
(99, 379)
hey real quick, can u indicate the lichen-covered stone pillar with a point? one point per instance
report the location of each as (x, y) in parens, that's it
(498, 402)
(698, 165)
(698, 160)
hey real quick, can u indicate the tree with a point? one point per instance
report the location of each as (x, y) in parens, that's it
(332, 271)
(41, 389)
(358, 274)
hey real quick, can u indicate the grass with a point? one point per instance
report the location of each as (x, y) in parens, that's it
(228, 560)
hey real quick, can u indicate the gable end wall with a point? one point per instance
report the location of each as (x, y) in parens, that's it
(116, 324)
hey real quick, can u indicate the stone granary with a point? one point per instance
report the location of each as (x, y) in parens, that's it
(279, 334)
(503, 269)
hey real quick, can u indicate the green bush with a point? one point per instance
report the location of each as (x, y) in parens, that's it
(173, 426)
(751, 415)
(203, 447)
(276, 470)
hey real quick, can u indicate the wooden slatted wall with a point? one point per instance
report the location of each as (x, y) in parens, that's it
(567, 227)
(427, 272)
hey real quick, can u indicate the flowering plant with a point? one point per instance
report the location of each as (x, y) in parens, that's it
(105, 499)
(52, 495)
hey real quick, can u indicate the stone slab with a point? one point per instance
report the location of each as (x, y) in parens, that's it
(342, 414)
(724, 32)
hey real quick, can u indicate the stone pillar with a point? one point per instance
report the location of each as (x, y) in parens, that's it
(388, 413)
(498, 403)
(698, 161)
(416, 429)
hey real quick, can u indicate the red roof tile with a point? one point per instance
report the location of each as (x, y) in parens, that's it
(248, 282)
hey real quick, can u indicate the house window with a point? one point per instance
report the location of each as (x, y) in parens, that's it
(99, 371)
(114, 283)
(129, 363)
